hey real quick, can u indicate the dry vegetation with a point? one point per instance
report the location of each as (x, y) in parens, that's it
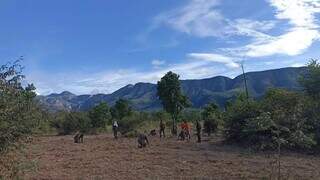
(102, 157)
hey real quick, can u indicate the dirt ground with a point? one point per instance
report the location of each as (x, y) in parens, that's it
(102, 157)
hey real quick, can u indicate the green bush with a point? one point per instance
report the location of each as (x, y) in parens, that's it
(288, 112)
(279, 117)
(100, 115)
(239, 114)
(20, 114)
(70, 122)
(260, 132)
(211, 116)
(130, 123)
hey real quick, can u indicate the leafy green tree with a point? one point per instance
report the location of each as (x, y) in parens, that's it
(19, 112)
(310, 82)
(193, 115)
(211, 116)
(99, 115)
(160, 115)
(311, 79)
(171, 96)
(236, 118)
(121, 109)
(287, 110)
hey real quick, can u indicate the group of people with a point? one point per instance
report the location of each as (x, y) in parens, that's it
(185, 132)
(142, 137)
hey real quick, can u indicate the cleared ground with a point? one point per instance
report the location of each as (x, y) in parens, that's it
(102, 157)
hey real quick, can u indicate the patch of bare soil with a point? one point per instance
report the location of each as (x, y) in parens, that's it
(102, 157)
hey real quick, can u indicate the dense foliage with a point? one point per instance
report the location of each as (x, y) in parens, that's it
(121, 109)
(100, 115)
(211, 116)
(171, 96)
(70, 122)
(19, 113)
(285, 118)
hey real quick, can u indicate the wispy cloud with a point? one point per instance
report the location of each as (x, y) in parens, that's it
(109, 81)
(297, 38)
(218, 58)
(202, 18)
(156, 63)
(198, 17)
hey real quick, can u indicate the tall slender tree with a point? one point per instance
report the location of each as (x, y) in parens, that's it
(172, 98)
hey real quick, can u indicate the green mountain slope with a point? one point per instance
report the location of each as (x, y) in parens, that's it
(201, 92)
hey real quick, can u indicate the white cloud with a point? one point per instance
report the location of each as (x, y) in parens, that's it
(109, 81)
(157, 63)
(300, 13)
(298, 38)
(297, 65)
(197, 17)
(292, 43)
(228, 61)
(202, 18)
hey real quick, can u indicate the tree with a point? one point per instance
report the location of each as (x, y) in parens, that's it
(19, 112)
(173, 101)
(311, 80)
(288, 112)
(99, 115)
(121, 109)
(211, 116)
(236, 118)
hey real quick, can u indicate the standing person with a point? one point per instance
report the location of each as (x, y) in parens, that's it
(115, 127)
(188, 130)
(162, 128)
(198, 127)
(185, 130)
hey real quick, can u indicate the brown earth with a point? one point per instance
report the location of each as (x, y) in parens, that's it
(102, 157)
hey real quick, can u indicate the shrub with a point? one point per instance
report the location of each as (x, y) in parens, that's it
(287, 110)
(130, 123)
(211, 116)
(19, 112)
(70, 122)
(280, 117)
(100, 115)
(237, 118)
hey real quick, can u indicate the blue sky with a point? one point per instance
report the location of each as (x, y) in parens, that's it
(97, 46)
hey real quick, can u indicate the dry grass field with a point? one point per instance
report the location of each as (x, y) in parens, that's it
(102, 157)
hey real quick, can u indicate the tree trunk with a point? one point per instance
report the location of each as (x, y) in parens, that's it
(174, 126)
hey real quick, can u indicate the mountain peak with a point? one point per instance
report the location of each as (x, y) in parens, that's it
(67, 93)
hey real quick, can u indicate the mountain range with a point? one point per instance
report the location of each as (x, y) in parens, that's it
(219, 89)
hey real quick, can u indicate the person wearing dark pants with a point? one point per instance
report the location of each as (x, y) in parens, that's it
(115, 129)
(162, 128)
(198, 127)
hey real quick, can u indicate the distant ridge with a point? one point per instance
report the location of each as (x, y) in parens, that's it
(217, 89)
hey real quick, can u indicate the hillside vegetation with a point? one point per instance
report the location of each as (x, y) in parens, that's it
(143, 96)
